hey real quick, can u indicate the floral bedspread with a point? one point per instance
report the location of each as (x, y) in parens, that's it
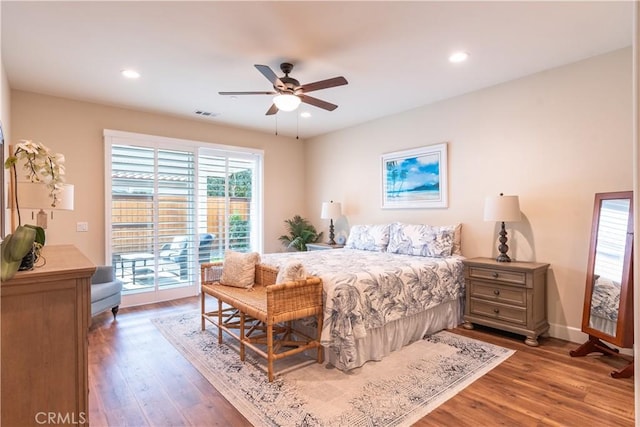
(605, 299)
(365, 290)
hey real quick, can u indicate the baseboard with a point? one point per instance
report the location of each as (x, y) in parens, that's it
(578, 337)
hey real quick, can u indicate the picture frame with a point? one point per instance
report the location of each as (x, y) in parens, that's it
(415, 178)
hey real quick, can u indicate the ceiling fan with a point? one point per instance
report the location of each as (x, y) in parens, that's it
(289, 92)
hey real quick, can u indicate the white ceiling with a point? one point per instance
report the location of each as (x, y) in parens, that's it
(394, 54)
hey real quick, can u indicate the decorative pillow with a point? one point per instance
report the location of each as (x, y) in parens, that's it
(369, 237)
(239, 269)
(457, 237)
(291, 272)
(421, 240)
(457, 240)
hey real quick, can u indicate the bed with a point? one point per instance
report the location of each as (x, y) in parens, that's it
(391, 285)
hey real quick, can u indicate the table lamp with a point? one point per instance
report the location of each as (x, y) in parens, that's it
(502, 208)
(331, 210)
(36, 195)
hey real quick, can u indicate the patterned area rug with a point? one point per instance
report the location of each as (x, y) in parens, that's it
(397, 391)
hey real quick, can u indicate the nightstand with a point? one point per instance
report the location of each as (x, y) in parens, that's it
(322, 246)
(510, 296)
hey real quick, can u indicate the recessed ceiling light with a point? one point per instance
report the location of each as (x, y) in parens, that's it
(305, 114)
(130, 74)
(458, 57)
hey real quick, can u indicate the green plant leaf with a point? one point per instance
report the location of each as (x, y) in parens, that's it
(301, 232)
(40, 236)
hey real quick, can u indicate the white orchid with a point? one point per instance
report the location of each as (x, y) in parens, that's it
(40, 165)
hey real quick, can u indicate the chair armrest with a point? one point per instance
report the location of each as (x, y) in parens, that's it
(266, 274)
(293, 300)
(103, 274)
(210, 272)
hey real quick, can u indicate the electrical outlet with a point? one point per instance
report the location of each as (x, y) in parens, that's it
(82, 226)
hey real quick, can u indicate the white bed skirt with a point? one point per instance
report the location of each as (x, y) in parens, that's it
(607, 326)
(380, 342)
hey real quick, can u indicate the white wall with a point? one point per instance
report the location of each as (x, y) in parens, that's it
(5, 101)
(554, 138)
(75, 129)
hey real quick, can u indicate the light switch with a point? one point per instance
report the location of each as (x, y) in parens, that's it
(82, 226)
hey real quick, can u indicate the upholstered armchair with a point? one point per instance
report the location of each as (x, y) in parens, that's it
(106, 291)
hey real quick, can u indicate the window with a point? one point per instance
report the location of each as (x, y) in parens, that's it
(173, 204)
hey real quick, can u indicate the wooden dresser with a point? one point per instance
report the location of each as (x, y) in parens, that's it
(510, 296)
(45, 320)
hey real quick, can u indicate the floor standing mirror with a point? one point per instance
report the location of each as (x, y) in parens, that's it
(608, 302)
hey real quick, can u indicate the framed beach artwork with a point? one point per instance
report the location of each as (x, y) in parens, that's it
(415, 178)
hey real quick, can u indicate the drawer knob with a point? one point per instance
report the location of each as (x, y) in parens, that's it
(495, 275)
(496, 292)
(496, 310)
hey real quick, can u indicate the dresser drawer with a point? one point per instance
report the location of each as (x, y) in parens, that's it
(505, 313)
(511, 277)
(504, 294)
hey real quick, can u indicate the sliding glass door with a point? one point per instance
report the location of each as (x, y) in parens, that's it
(172, 205)
(153, 218)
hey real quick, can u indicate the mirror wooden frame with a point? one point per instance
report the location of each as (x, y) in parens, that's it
(624, 327)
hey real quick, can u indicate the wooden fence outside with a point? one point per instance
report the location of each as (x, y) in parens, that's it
(132, 221)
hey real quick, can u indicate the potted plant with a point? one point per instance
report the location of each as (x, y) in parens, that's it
(301, 232)
(21, 249)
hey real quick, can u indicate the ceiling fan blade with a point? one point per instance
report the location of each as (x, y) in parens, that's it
(270, 75)
(247, 93)
(272, 110)
(317, 102)
(323, 84)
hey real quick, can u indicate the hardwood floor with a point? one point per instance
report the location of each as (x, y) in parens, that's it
(136, 378)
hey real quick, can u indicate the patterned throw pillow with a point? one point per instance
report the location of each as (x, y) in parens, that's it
(421, 240)
(239, 269)
(457, 236)
(291, 272)
(369, 237)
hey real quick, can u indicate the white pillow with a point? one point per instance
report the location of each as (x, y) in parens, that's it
(239, 269)
(421, 240)
(291, 272)
(369, 237)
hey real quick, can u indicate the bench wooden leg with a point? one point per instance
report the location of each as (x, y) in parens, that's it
(242, 337)
(219, 321)
(318, 337)
(202, 311)
(270, 350)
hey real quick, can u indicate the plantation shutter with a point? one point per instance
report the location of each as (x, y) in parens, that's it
(132, 189)
(227, 183)
(152, 206)
(176, 206)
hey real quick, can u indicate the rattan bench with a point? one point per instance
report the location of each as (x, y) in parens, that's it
(261, 318)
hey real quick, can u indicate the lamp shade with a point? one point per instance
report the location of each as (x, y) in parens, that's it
(330, 210)
(35, 195)
(502, 208)
(286, 102)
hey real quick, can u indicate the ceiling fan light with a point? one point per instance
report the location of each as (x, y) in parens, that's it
(286, 102)
(457, 57)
